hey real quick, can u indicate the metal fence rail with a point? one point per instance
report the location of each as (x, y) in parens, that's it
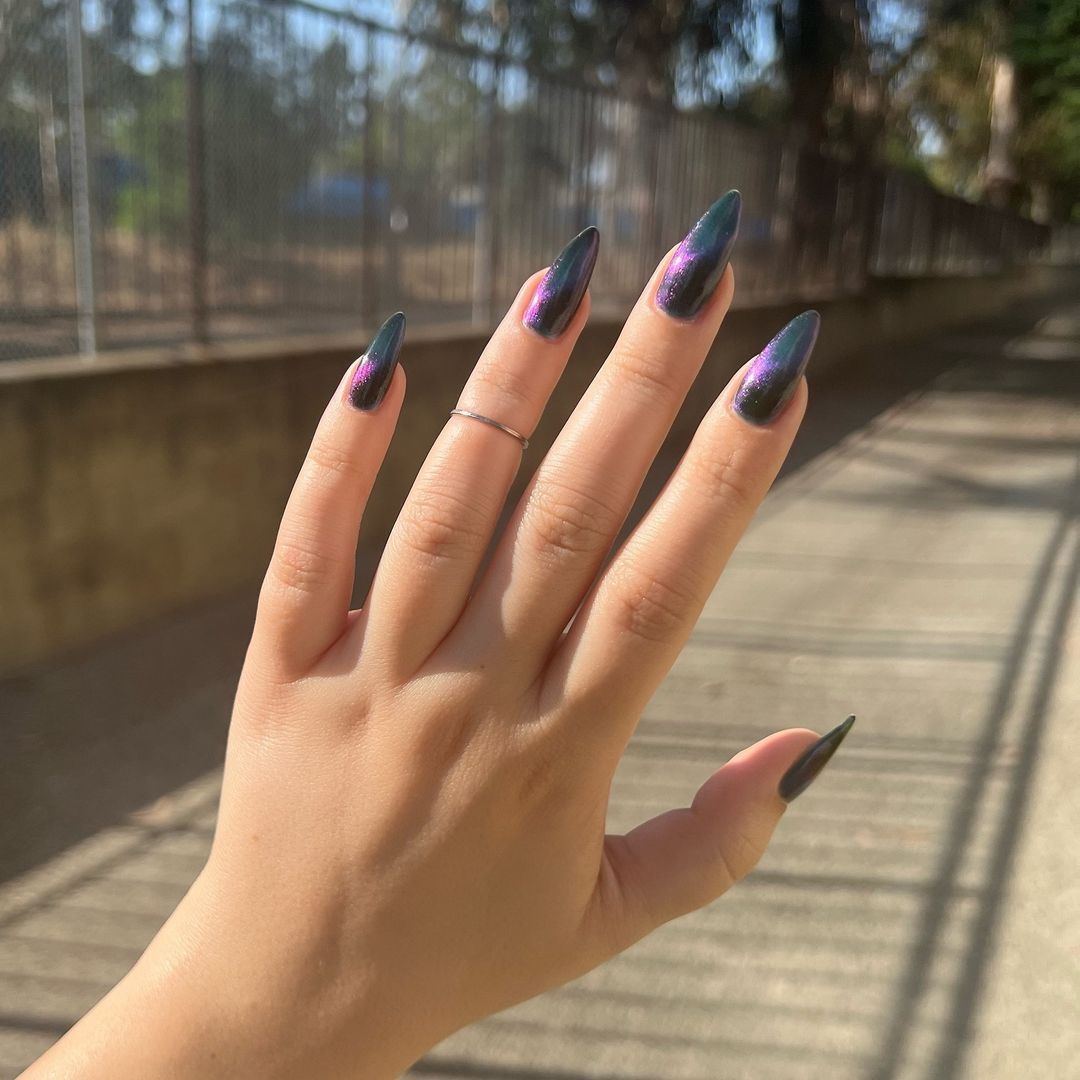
(275, 167)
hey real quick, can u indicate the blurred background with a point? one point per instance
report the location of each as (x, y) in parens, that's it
(190, 173)
(206, 207)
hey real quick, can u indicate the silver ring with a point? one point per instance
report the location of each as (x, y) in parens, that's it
(493, 423)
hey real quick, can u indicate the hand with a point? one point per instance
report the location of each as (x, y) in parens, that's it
(411, 833)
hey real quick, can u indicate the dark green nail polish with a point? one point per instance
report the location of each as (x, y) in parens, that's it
(805, 770)
(771, 379)
(700, 260)
(372, 376)
(560, 290)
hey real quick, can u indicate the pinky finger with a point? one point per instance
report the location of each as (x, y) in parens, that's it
(304, 602)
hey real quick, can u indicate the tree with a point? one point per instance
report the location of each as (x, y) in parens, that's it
(1046, 47)
(647, 48)
(832, 68)
(947, 95)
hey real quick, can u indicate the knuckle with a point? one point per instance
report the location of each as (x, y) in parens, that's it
(732, 852)
(647, 373)
(441, 526)
(299, 567)
(725, 477)
(736, 856)
(501, 391)
(563, 522)
(654, 609)
(634, 909)
(444, 738)
(324, 459)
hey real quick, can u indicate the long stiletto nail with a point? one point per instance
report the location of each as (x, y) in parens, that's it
(805, 770)
(560, 290)
(376, 368)
(771, 379)
(700, 260)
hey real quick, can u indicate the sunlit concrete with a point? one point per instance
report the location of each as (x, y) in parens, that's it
(916, 916)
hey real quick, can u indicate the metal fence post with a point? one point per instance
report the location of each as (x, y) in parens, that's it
(196, 182)
(396, 226)
(82, 237)
(654, 169)
(486, 253)
(786, 256)
(486, 131)
(369, 307)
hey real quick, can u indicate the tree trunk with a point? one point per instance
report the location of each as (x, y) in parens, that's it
(999, 173)
(806, 34)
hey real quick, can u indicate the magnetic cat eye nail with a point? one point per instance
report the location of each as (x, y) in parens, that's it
(700, 260)
(774, 373)
(806, 768)
(373, 373)
(560, 290)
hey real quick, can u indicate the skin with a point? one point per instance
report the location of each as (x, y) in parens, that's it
(411, 833)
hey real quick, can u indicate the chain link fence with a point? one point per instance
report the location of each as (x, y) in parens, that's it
(234, 169)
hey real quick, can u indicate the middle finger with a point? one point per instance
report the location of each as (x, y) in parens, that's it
(573, 508)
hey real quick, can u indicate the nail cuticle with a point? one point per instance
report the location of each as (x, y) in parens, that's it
(375, 368)
(699, 262)
(806, 768)
(774, 374)
(559, 293)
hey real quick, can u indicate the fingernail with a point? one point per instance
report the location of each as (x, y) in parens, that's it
(376, 367)
(805, 770)
(560, 290)
(771, 379)
(700, 260)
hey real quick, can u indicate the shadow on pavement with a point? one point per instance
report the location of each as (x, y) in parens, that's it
(102, 733)
(112, 748)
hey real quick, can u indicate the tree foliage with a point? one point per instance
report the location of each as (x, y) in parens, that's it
(1046, 47)
(647, 48)
(909, 81)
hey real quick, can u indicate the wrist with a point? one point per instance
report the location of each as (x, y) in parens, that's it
(208, 1000)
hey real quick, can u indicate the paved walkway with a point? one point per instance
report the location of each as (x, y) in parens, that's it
(916, 916)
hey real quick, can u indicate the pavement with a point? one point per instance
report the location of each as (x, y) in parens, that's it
(918, 914)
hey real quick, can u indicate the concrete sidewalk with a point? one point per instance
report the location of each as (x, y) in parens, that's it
(918, 914)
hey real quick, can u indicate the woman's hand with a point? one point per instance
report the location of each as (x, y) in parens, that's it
(411, 833)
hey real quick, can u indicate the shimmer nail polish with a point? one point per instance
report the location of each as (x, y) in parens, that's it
(372, 376)
(774, 373)
(805, 770)
(560, 290)
(700, 260)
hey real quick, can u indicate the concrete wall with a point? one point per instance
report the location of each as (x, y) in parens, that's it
(135, 484)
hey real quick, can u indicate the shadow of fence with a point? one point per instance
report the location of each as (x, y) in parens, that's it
(861, 946)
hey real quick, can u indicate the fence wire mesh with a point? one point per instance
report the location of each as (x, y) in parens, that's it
(276, 168)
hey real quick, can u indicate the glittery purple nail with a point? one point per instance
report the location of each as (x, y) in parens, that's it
(373, 373)
(560, 290)
(771, 379)
(700, 260)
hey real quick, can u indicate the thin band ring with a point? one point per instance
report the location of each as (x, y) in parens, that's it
(495, 424)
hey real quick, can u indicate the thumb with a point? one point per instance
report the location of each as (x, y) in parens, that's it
(683, 859)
